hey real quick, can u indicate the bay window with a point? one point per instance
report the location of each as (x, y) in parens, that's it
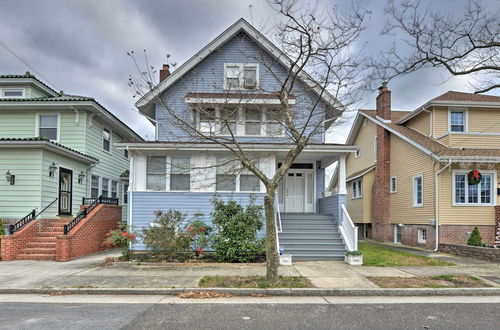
(469, 194)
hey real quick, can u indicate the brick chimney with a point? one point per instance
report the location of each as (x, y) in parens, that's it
(381, 227)
(384, 103)
(165, 72)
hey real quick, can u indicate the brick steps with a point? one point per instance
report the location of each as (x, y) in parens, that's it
(43, 246)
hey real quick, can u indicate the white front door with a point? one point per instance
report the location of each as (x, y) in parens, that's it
(294, 192)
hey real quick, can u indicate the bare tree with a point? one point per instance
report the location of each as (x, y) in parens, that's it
(317, 59)
(468, 45)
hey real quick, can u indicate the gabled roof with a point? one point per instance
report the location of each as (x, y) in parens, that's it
(453, 98)
(240, 26)
(44, 142)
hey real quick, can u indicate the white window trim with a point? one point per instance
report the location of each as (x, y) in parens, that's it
(396, 227)
(37, 124)
(466, 172)
(466, 119)
(414, 196)
(237, 183)
(22, 89)
(359, 183)
(420, 238)
(241, 67)
(395, 185)
(169, 172)
(110, 139)
(357, 154)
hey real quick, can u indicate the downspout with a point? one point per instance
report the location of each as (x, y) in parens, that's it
(436, 201)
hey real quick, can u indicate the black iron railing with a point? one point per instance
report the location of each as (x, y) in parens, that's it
(83, 214)
(28, 218)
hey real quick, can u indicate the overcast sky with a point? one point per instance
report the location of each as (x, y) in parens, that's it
(80, 46)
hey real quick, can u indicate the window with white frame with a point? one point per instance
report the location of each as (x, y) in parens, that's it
(94, 186)
(48, 126)
(12, 93)
(114, 189)
(244, 76)
(418, 192)
(180, 177)
(468, 194)
(253, 121)
(458, 121)
(226, 173)
(125, 193)
(394, 184)
(422, 235)
(273, 122)
(357, 190)
(397, 234)
(228, 119)
(156, 173)
(105, 187)
(106, 139)
(248, 181)
(208, 121)
(125, 153)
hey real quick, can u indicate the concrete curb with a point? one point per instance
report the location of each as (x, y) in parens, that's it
(318, 292)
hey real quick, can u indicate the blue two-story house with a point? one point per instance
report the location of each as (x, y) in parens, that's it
(239, 70)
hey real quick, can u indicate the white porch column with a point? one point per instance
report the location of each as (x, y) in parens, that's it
(342, 183)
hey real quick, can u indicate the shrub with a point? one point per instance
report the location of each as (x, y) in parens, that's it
(198, 233)
(475, 238)
(353, 253)
(162, 238)
(236, 229)
(121, 237)
(2, 228)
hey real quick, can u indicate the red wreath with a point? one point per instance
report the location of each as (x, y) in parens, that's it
(474, 177)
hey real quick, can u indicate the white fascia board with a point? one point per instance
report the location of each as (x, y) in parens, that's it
(240, 25)
(243, 100)
(402, 136)
(29, 81)
(246, 147)
(48, 146)
(355, 128)
(361, 174)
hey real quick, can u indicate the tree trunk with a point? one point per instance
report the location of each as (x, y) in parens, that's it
(272, 260)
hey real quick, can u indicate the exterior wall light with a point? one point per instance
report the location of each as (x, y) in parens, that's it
(81, 176)
(52, 169)
(11, 179)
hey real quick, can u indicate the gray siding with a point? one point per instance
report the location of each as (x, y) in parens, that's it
(320, 183)
(144, 204)
(331, 205)
(207, 76)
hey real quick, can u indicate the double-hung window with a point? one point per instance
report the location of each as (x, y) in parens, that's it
(180, 177)
(468, 194)
(106, 139)
(226, 173)
(114, 189)
(105, 187)
(125, 193)
(48, 126)
(232, 75)
(228, 117)
(394, 184)
(273, 123)
(457, 121)
(248, 180)
(241, 76)
(208, 121)
(156, 173)
(253, 120)
(94, 186)
(357, 190)
(418, 192)
(249, 76)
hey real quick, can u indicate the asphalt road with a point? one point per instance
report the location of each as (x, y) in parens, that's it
(229, 315)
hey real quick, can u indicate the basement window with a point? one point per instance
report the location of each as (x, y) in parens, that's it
(422, 236)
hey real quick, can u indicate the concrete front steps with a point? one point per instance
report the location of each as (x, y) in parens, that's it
(43, 246)
(308, 236)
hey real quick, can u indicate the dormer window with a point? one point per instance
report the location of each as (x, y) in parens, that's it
(241, 76)
(12, 93)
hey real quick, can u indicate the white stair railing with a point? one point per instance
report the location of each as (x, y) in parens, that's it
(277, 223)
(348, 230)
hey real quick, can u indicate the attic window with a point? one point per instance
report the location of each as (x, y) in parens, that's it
(241, 76)
(13, 93)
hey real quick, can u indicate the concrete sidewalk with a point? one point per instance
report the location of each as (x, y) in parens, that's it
(88, 272)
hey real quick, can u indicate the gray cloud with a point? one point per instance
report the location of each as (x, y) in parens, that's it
(80, 46)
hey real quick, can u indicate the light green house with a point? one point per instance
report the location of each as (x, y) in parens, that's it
(57, 149)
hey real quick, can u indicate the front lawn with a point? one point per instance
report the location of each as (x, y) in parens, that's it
(253, 282)
(442, 281)
(374, 255)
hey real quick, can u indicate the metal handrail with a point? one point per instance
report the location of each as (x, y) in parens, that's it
(83, 213)
(28, 218)
(348, 230)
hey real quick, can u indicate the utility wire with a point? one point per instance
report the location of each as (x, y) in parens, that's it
(26, 63)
